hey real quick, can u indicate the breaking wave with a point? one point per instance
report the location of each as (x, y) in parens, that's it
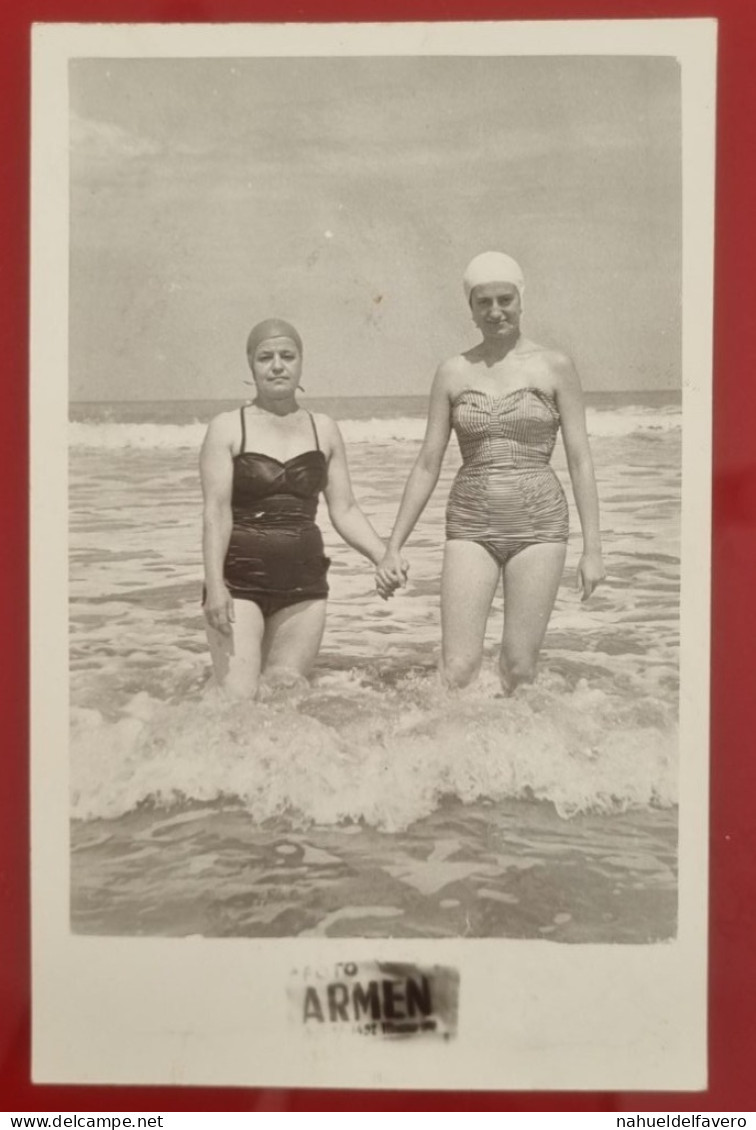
(94, 435)
(348, 751)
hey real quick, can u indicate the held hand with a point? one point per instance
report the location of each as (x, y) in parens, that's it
(391, 573)
(219, 610)
(385, 591)
(590, 572)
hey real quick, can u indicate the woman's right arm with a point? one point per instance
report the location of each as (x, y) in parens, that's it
(216, 475)
(423, 476)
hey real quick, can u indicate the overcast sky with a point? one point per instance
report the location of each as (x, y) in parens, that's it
(348, 195)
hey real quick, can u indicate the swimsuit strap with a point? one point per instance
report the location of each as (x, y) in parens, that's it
(314, 430)
(243, 431)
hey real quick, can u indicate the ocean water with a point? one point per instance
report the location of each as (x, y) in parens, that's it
(373, 803)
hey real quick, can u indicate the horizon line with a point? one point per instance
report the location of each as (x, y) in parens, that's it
(331, 396)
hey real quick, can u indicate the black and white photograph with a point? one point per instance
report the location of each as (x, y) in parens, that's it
(371, 448)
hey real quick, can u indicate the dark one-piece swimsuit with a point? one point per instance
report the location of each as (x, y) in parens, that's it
(275, 554)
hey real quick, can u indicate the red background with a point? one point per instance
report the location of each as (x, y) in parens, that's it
(732, 1031)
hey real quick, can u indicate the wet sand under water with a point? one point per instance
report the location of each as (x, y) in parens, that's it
(510, 870)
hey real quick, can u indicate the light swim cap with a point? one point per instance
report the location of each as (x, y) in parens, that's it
(271, 327)
(492, 267)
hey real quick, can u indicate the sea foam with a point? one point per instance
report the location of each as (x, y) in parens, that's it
(347, 751)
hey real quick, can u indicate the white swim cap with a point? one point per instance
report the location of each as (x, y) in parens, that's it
(493, 267)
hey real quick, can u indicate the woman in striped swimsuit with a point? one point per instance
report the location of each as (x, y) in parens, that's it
(506, 399)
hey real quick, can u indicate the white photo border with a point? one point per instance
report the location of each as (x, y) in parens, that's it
(533, 1015)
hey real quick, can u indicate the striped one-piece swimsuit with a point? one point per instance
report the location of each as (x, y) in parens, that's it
(506, 496)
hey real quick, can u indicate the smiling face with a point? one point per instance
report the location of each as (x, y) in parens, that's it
(276, 365)
(496, 309)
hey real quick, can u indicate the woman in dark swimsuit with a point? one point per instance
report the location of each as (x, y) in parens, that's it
(506, 399)
(263, 469)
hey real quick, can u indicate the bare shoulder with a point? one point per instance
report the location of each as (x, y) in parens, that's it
(561, 369)
(451, 374)
(329, 433)
(223, 429)
(452, 365)
(326, 425)
(557, 360)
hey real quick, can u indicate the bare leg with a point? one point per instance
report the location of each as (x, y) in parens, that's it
(531, 583)
(468, 583)
(237, 657)
(292, 640)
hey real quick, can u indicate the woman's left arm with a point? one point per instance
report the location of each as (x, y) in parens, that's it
(569, 396)
(348, 519)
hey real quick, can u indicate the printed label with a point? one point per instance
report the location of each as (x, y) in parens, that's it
(377, 998)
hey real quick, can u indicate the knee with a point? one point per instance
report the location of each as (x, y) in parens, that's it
(237, 687)
(459, 671)
(235, 680)
(282, 680)
(517, 667)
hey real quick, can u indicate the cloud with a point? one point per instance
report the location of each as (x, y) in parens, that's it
(107, 141)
